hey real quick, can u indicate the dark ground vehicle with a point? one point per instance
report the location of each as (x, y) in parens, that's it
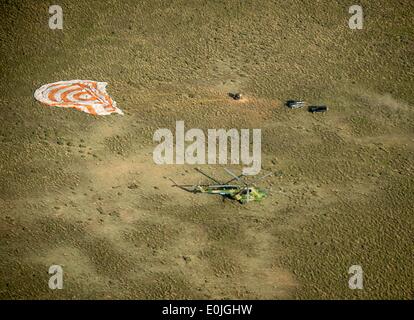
(235, 96)
(314, 109)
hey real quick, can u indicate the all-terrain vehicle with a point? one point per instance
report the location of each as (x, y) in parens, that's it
(294, 104)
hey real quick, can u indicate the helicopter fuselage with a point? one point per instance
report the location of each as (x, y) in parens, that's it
(234, 192)
(241, 193)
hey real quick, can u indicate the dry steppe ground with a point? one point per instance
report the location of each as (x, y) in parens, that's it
(83, 192)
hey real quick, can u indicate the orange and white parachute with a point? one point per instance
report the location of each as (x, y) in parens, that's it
(83, 95)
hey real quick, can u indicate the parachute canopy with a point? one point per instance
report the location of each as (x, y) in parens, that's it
(83, 95)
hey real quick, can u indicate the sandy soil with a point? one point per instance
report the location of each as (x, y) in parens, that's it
(83, 192)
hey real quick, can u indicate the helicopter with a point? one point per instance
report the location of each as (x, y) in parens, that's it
(243, 193)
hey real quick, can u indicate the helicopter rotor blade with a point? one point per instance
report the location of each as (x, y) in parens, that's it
(234, 176)
(175, 184)
(206, 175)
(231, 180)
(265, 176)
(172, 181)
(185, 187)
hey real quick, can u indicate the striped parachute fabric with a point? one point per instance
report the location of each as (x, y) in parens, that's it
(83, 95)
